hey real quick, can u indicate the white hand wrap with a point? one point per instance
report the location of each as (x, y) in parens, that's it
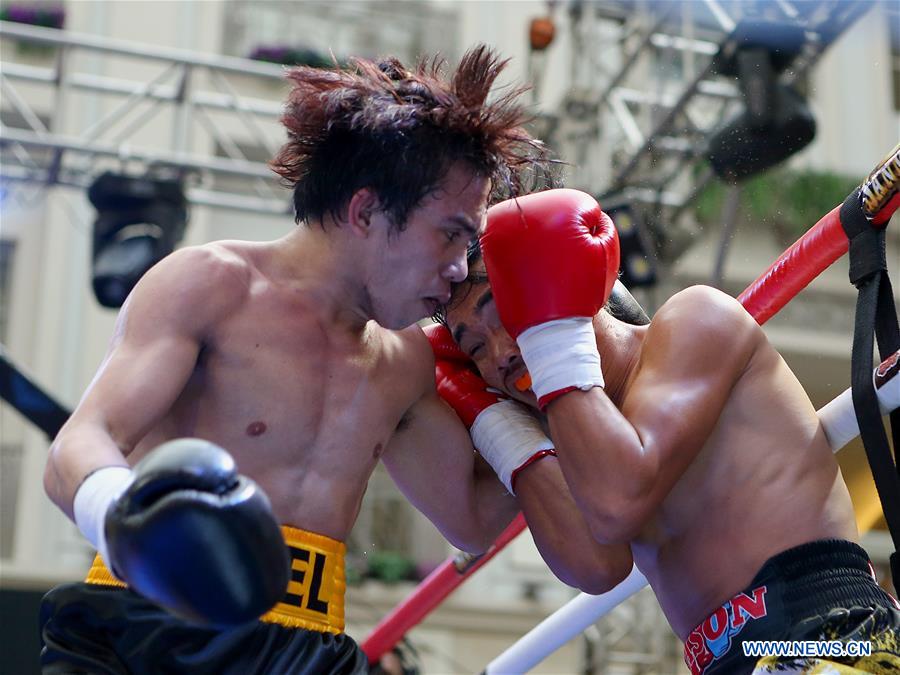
(838, 417)
(508, 436)
(561, 354)
(93, 499)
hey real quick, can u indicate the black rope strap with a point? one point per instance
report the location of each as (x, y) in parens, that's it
(876, 320)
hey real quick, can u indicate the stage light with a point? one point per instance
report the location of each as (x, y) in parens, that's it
(776, 121)
(139, 222)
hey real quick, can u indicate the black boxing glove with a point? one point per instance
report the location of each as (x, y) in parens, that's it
(191, 534)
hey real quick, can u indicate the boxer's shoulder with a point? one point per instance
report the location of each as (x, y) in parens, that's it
(698, 310)
(701, 322)
(405, 372)
(407, 360)
(698, 300)
(192, 288)
(414, 352)
(211, 270)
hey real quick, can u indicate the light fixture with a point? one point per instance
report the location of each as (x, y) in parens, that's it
(776, 121)
(139, 222)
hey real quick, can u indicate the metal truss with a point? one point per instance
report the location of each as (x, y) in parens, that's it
(218, 136)
(637, 132)
(219, 112)
(650, 127)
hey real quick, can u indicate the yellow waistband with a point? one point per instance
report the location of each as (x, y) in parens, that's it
(314, 598)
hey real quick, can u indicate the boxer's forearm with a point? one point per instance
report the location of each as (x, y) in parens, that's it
(494, 508)
(79, 449)
(608, 469)
(562, 535)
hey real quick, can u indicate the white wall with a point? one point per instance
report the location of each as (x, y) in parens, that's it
(852, 99)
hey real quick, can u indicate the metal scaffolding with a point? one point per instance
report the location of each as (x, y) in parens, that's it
(196, 89)
(637, 131)
(648, 118)
(221, 111)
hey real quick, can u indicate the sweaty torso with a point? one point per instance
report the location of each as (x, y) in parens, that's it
(765, 480)
(304, 407)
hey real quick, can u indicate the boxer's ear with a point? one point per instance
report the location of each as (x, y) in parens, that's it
(361, 210)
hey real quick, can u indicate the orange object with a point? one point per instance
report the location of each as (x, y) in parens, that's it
(541, 32)
(524, 382)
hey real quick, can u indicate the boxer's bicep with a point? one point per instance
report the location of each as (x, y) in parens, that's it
(136, 385)
(621, 462)
(691, 368)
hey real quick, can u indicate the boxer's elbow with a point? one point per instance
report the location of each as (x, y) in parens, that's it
(481, 533)
(595, 576)
(468, 535)
(617, 519)
(53, 483)
(605, 581)
(473, 543)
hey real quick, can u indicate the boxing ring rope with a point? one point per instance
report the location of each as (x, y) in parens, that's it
(807, 258)
(431, 592)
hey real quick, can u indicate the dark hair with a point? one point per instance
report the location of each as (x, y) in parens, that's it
(397, 131)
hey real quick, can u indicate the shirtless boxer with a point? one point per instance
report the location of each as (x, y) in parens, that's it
(694, 444)
(296, 356)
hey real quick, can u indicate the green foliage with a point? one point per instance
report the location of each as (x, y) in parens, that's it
(390, 567)
(353, 572)
(790, 201)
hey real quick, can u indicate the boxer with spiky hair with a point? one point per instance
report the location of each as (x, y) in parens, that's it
(250, 384)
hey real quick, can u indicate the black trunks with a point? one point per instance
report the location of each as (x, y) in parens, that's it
(824, 591)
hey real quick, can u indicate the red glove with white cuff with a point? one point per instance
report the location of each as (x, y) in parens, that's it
(506, 435)
(552, 258)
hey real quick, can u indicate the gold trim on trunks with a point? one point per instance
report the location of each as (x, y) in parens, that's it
(314, 598)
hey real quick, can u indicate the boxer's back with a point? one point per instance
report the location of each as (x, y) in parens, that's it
(303, 404)
(764, 481)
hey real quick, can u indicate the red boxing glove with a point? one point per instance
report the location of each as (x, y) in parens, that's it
(443, 345)
(457, 383)
(552, 258)
(549, 255)
(506, 435)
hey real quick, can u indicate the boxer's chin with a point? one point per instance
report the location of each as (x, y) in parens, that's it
(398, 317)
